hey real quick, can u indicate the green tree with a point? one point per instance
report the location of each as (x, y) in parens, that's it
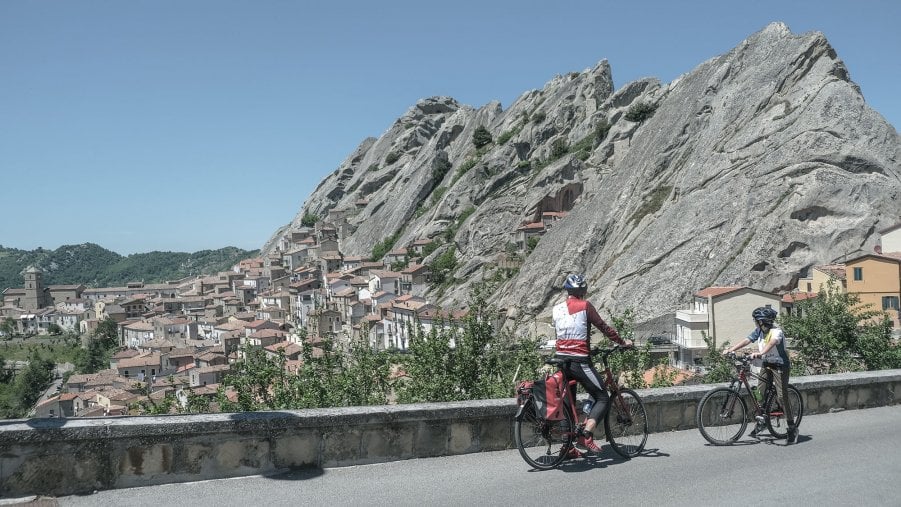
(54, 329)
(328, 377)
(6, 374)
(8, 327)
(383, 247)
(93, 359)
(107, 333)
(443, 266)
(31, 382)
(630, 363)
(309, 219)
(719, 368)
(466, 360)
(833, 332)
(481, 137)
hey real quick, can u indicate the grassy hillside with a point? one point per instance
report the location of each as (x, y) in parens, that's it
(96, 266)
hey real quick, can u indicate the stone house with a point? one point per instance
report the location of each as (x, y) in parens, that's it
(135, 334)
(876, 280)
(396, 256)
(383, 280)
(818, 277)
(415, 279)
(527, 231)
(418, 246)
(331, 261)
(143, 367)
(265, 337)
(61, 405)
(63, 293)
(208, 375)
(323, 321)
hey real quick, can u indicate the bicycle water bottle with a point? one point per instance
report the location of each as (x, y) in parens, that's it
(587, 405)
(758, 394)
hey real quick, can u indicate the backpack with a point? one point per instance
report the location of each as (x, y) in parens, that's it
(547, 394)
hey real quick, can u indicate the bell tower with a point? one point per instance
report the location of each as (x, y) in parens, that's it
(34, 290)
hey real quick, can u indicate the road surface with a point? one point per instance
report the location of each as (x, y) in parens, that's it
(846, 458)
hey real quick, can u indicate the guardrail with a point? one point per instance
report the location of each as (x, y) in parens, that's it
(70, 456)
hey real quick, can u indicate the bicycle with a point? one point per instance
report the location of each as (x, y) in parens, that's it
(545, 444)
(722, 414)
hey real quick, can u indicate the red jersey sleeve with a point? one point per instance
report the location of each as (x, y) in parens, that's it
(595, 318)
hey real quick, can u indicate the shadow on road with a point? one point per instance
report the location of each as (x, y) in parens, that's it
(607, 458)
(299, 474)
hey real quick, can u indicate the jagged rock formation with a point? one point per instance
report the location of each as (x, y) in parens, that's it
(754, 165)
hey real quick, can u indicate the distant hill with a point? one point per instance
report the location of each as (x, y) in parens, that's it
(96, 266)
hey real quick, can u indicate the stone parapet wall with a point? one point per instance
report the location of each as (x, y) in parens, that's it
(67, 456)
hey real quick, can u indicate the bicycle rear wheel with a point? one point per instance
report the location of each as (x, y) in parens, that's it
(543, 444)
(722, 416)
(626, 424)
(776, 422)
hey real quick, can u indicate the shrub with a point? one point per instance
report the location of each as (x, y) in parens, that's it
(309, 219)
(392, 158)
(506, 136)
(653, 203)
(641, 112)
(443, 266)
(538, 117)
(559, 148)
(440, 167)
(465, 167)
(481, 137)
(383, 247)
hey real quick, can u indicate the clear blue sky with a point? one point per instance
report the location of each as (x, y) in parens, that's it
(187, 125)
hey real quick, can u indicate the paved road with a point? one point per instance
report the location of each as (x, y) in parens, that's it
(846, 458)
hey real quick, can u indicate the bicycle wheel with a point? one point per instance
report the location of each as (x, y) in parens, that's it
(722, 416)
(626, 424)
(543, 444)
(776, 422)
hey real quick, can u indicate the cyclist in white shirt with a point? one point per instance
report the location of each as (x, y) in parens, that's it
(770, 342)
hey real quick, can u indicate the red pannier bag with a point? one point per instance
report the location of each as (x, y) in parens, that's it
(547, 394)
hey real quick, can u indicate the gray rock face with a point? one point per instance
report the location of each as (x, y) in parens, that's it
(754, 165)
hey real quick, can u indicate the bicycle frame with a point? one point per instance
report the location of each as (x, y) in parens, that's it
(743, 367)
(611, 385)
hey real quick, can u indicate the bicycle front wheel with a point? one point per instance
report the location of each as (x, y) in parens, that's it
(722, 416)
(776, 422)
(543, 444)
(626, 424)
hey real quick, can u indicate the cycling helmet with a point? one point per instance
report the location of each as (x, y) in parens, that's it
(764, 315)
(575, 283)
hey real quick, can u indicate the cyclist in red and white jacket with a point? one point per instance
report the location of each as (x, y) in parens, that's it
(572, 322)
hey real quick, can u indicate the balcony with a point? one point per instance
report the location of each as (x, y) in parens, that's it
(691, 316)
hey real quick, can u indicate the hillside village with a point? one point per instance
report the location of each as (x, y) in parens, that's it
(183, 336)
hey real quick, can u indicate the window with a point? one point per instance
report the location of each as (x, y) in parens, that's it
(890, 302)
(858, 274)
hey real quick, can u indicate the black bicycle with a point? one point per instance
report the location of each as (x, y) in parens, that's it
(723, 412)
(545, 444)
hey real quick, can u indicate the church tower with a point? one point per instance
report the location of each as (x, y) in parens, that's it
(35, 296)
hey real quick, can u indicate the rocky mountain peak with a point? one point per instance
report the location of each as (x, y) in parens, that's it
(745, 170)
